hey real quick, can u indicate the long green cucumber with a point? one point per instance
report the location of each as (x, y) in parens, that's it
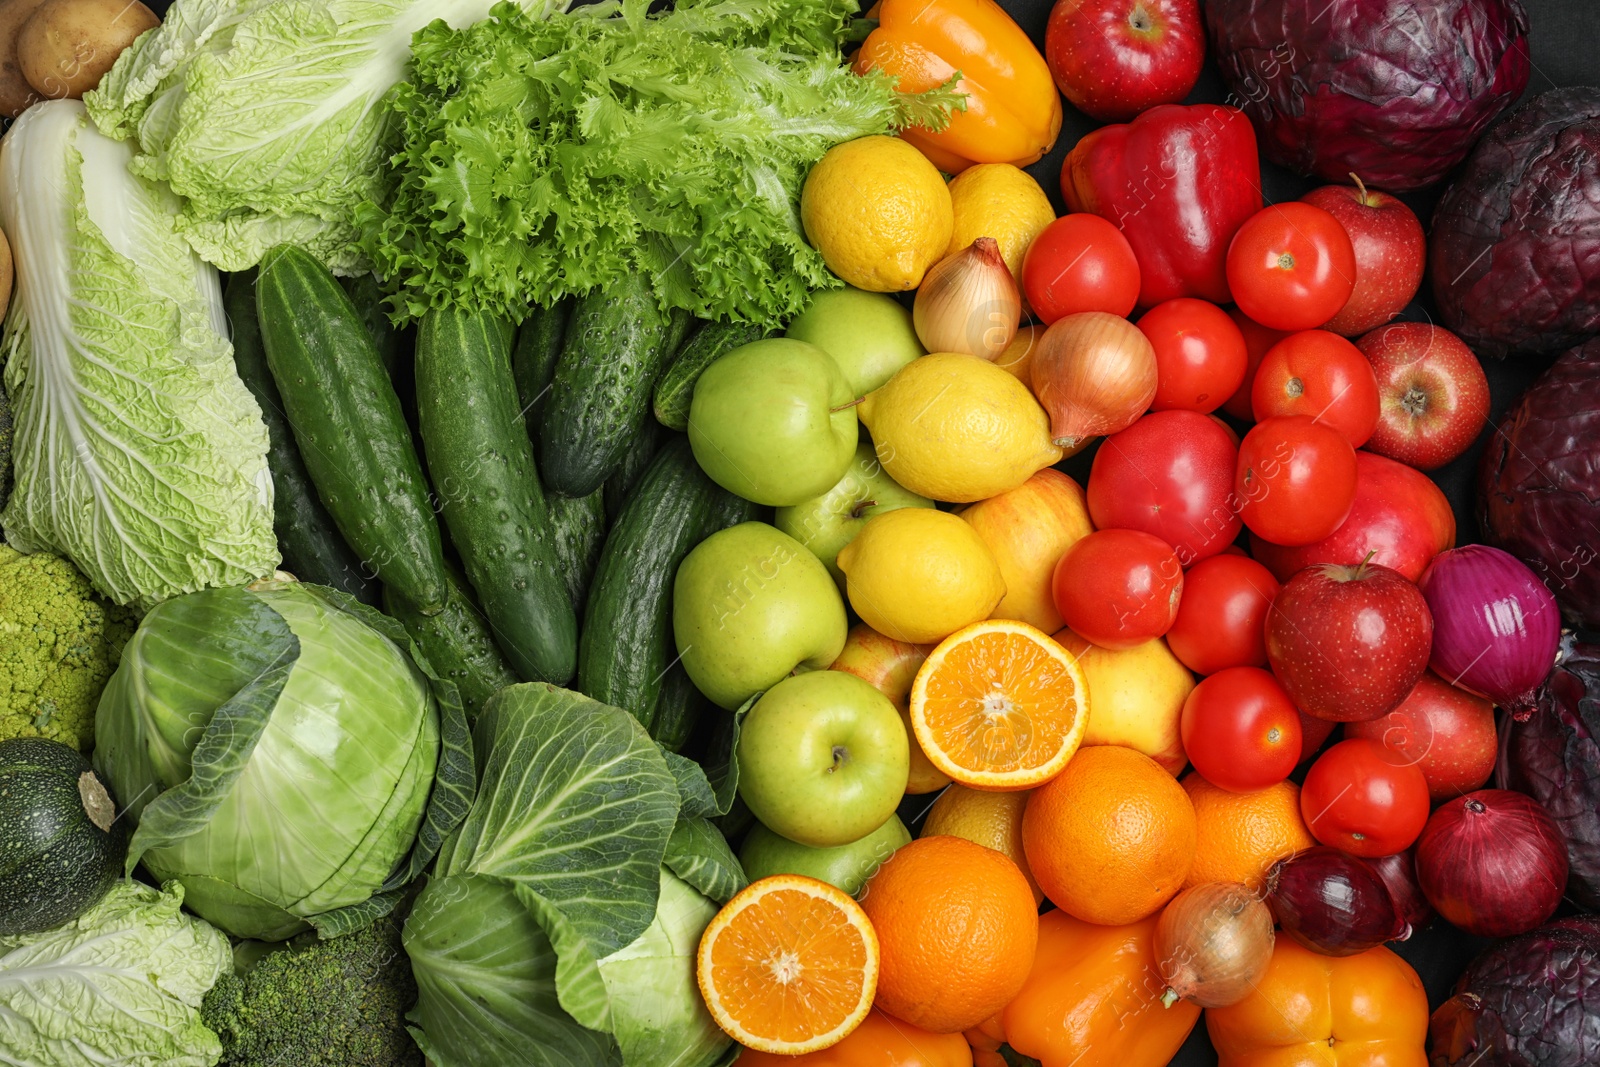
(619, 487)
(347, 422)
(710, 343)
(457, 644)
(578, 533)
(489, 492)
(533, 360)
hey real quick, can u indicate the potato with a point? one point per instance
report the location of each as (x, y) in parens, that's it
(15, 92)
(5, 274)
(66, 46)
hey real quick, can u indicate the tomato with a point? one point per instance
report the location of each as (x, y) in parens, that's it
(1363, 798)
(1295, 481)
(1291, 266)
(1118, 588)
(1240, 730)
(1221, 615)
(1200, 354)
(1320, 374)
(1080, 262)
(1169, 474)
(1257, 340)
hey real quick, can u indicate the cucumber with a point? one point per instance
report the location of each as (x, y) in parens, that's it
(578, 533)
(348, 424)
(676, 388)
(309, 542)
(627, 623)
(678, 709)
(619, 487)
(489, 492)
(366, 293)
(533, 360)
(617, 344)
(457, 644)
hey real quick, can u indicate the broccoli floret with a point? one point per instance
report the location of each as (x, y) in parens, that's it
(59, 643)
(311, 1003)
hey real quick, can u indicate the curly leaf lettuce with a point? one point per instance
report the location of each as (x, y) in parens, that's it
(138, 452)
(545, 157)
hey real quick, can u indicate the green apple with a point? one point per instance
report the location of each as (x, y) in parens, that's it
(869, 335)
(827, 523)
(845, 867)
(750, 606)
(773, 421)
(823, 759)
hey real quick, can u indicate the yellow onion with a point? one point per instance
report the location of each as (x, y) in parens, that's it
(1213, 943)
(1094, 373)
(968, 303)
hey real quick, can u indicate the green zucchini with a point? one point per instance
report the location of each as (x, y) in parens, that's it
(676, 388)
(627, 623)
(482, 467)
(643, 449)
(457, 644)
(348, 424)
(533, 360)
(578, 533)
(617, 344)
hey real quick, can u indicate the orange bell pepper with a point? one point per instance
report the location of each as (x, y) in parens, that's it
(1310, 1010)
(878, 1042)
(1013, 109)
(1093, 999)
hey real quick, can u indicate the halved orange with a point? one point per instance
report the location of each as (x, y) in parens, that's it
(1000, 705)
(789, 965)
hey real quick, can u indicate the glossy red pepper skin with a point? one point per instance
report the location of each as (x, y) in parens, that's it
(1179, 181)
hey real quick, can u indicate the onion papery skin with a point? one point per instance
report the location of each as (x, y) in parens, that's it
(1492, 863)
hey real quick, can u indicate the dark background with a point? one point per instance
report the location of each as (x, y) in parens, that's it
(1565, 44)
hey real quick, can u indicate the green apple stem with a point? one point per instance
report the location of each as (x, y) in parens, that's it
(860, 510)
(846, 407)
(840, 754)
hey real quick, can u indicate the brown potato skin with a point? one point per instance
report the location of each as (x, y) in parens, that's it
(15, 92)
(66, 46)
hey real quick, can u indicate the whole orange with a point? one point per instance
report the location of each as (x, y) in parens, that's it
(1110, 839)
(1241, 835)
(957, 929)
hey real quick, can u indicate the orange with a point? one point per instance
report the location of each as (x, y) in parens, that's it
(1241, 835)
(878, 1042)
(993, 820)
(1111, 838)
(789, 965)
(957, 928)
(999, 705)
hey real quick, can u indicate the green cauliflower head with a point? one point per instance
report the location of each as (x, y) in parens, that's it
(59, 643)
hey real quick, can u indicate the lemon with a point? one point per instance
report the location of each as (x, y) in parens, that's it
(920, 577)
(957, 428)
(1001, 201)
(878, 212)
(987, 818)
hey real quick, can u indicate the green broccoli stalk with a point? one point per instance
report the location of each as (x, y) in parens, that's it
(59, 643)
(312, 1003)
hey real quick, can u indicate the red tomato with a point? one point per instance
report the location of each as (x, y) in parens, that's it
(1291, 266)
(1296, 480)
(1240, 730)
(1320, 374)
(1080, 262)
(1200, 354)
(1221, 615)
(1363, 798)
(1257, 340)
(1118, 588)
(1169, 474)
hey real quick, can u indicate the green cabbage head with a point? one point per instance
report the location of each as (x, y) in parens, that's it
(279, 746)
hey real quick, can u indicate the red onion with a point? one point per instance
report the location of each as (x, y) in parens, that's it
(1496, 627)
(1492, 862)
(1399, 873)
(1333, 903)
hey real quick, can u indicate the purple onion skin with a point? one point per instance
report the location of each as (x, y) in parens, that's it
(1393, 90)
(1492, 863)
(1399, 874)
(1496, 628)
(1514, 250)
(1554, 757)
(1333, 903)
(1539, 480)
(1533, 1001)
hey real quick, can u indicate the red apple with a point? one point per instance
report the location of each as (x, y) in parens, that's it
(1115, 58)
(1348, 643)
(1447, 732)
(1432, 394)
(1390, 254)
(1399, 515)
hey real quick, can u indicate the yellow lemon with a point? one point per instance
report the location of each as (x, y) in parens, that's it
(957, 428)
(1001, 201)
(986, 817)
(878, 212)
(921, 577)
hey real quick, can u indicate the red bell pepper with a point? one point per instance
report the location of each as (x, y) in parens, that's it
(1179, 181)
